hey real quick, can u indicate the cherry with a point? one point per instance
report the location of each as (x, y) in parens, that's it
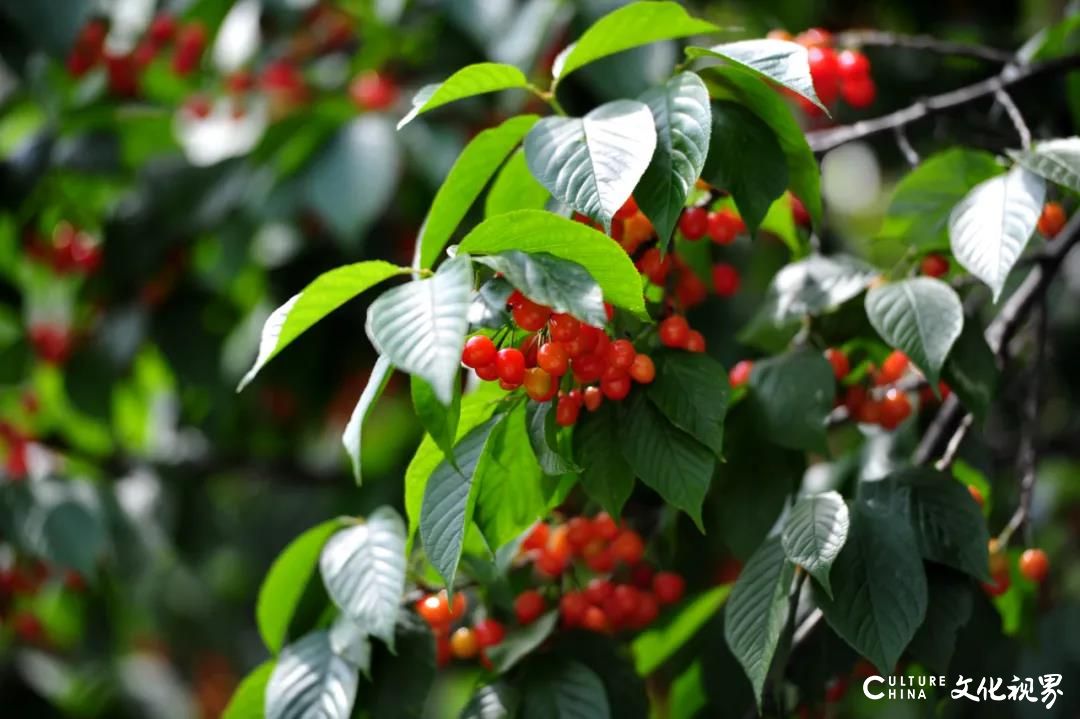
(673, 331)
(635, 231)
(622, 606)
(628, 209)
(725, 279)
(852, 65)
(572, 608)
(587, 368)
(531, 316)
(566, 411)
(52, 343)
(642, 369)
(835, 689)
(162, 28)
(825, 72)
(190, 43)
(740, 373)
(799, 213)
(586, 341)
(998, 585)
(595, 620)
(528, 606)
(373, 91)
(695, 342)
(599, 559)
(539, 385)
(563, 327)
(815, 37)
(621, 354)
(694, 223)
(443, 652)
(976, 495)
(551, 565)
(599, 590)
(616, 388)
(464, 644)
(839, 362)
(641, 575)
(123, 75)
(628, 547)
(1034, 565)
(488, 372)
(510, 363)
(28, 627)
(553, 358)
(654, 266)
(604, 526)
(690, 290)
(594, 397)
(893, 409)
(724, 226)
(668, 587)
(934, 265)
(647, 611)
(1051, 220)
(479, 351)
(579, 530)
(859, 92)
(436, 610)
(893, 368)
(537, 538)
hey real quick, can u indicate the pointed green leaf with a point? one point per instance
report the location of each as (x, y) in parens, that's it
(667, 459)
(593, 163)
(1056, 160)
(815, 532)
(476, 79)
(468, 177)
(951, 599)
(638, 23)
(971, 370)
(605, 475)
(493, 701)
(515, 188)
(351, 642)
(328, 292)
(691, 389)
(791, 396)
(758, 610)
(540, 422)
(990, 227)
(780, 61)
(351, 437)
(420, 326)
(562, 285)
(654, 646)
(310, 680)
(248, 701)
(683, 118)
(438, 420)
(921, 316)
(537, 231)
(521, 641)
(564, 690)
(879, 587)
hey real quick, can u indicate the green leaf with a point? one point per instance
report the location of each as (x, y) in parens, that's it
(562, 285)
(72, 532)
(691, 389)
(758, 610)
(540, 422)
(923, 199)
(476, 79)
(469, 175)
(510, 495)
(780, 61)
(351, 437)
(949, 609)
(791, 396)
(971, 371)
(420, 326)
(521, 641)
(605, 475)
(515, 188)
(688, 693)
(248, 701)
(949, 527)
(815, 532)
(879, 587)
(537, 231)
(492, 701)
(1056, 160)
(683, 118)
(438, 420)
(449, 500)
(353, 179)
(284, 584)
(638, 23)
(310, 680)
(563, 690)
(363, 568)
(746, 159)
(329, 291)
(351, 642)
(813, 286)
(593, 163)
(921, 316)
(667, 459)
(488, 308)
(735, 83)
(990, 227)
(656, 645)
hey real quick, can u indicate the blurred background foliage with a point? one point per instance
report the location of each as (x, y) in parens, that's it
(157, 202)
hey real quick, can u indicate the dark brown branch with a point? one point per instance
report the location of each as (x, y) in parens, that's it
(824, 140)
(877, 38)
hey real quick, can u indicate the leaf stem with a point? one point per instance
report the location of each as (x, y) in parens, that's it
(548, 96)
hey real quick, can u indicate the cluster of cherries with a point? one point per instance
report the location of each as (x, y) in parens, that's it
(1033, 564)
(70, 250)
(844, 74)
(25, 578)
(559, 346)
(872, 406)
(463, 642)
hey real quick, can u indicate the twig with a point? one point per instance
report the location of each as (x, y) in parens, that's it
(1017, 119)
(824, 140)
(954, 443)
(904, 144)
(876, 38)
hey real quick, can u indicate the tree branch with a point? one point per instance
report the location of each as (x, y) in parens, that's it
(877, 38)
(824, 140)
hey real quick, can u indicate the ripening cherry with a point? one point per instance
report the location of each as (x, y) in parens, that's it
(739, 374)
(585, 342)
(654, 266)
(600, 560)
(642, 370)
(488, 372)
(52, 343)
(567, 410)
(628, 547)
(859, 92)
(162, 28)
(190, 43)
(636, 231)
(893, 368)
(998, 585)
(893, 408)
(539, 385)
(593, 398)
(443, 652)
(621, 354)
(695, 342)
(579, 530)
(551, 565)
(934, 265)
(668, 587)
(648, 610)
(553, 358)
(799, 213)
(510, 363)
(528, 606)
(479, 351)
(852, 64)
(825, 72)
(976, 495)
(724, 226)
(572, 608)
(27, 627)
(690, 290)
(1051, 220)
(435, 609)
(839, 362)
(605, 527)
(595, 620)
(616, 388)
(563, 327)
(1034, 565)
(537, 537)
(725, 279)
(694, 223)
(531, 316)
(464, 644)
(598, 590)
(628, 209)
(588, 368)
(673, 331)
(373, 91)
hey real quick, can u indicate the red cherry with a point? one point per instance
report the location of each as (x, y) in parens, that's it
(934, 265)
(572, 608)
(605, 527)
(563, 327)
(998, 585)
(694, 223)
(839, 362)
(190, 43)
(835, 689)
(628, 547)
(799, 213)
(673, 331)
(594, 397)
(488, 372)
(479, 351)
(537, 538)
(585, 342)
(725, 279)
(690, 290)
(162, 28)
(654, 266)
(123, 75)
(859, 92)
(616, 388)
(579, 530)
(599, 590)
(825, 72)
(629, 209)
(531, 316)
(443, 652)
(566, 412)
(27, 627)
(372, 91)
(622, 354)
(648, 610)
(893, 409)
(1052, 220)
(600, 560)
(852, 64)
(725, 226)
(510, 363)
(740, 373)
(642, 370)
(893, 368)
(1034, 565)
(436, 610)
(551, 565)
(51, 343)
(695, 342)
(553, 358)
(539, 385)
(587, 368)
(668, 587)
(528, 606)
(595, 620)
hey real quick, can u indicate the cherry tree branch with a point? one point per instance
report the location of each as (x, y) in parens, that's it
(925, 43)
(824, 140)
